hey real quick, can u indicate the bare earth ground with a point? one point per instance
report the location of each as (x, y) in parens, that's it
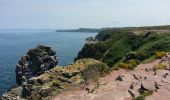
(108, 88)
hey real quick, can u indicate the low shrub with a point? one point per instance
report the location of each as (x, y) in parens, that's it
(133, 62)
(143, 95)
(147, 93)
(160, 66)
(94, 71)
(123, 65)
(141, 55)
(115, 68)
(160, 54)
(130, 64)
(139, 98)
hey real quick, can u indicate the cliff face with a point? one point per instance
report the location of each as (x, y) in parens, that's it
(34, 63)
(61, 79)
(56, 80)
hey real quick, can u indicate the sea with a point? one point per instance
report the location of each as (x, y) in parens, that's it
(14, 43)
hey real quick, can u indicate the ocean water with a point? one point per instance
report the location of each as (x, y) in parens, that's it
(15, 43)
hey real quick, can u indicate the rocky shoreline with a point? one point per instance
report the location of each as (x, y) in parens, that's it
(39, 78)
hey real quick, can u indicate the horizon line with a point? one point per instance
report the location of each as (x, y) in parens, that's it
(79, 27)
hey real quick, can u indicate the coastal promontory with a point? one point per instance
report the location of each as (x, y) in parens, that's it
(118, 64)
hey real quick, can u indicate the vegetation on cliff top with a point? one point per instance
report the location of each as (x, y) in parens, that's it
(121, 45)
(65, 78)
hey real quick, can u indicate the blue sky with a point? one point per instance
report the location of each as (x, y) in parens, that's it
(63, 14)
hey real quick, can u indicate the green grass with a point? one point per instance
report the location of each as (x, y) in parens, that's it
(115, 45)
(148, 60)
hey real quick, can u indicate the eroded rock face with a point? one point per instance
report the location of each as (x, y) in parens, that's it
(58, 79)
(35, 62)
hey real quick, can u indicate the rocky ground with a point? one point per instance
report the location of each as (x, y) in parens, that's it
(59, 79)
(87, 79)
(152, 78)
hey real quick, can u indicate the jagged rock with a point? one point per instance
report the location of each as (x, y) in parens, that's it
(88, 90)
(142, 89)
(131, 93)
(35, 62)
(65, 80)
(146, 69)
(119, 78)
(156, 85)
(134, 75)
(166, 74)
(154, 71)
(147, 85)
(132, 86)
(12, 94)
(67, 75)
(26, 89)
(89, 39)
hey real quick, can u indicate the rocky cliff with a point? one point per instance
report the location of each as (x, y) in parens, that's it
(39, 79)
(37, 61)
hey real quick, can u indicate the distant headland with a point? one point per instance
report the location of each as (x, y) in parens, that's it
(80, 30)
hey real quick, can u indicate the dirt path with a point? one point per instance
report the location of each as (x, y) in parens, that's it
(108, 88)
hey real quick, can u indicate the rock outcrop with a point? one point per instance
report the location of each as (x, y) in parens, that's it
(34, 63)
(59, 79)
(37, 61)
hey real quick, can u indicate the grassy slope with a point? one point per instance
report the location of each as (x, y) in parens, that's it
(114, 45)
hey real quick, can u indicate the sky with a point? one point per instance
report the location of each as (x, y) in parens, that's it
(69, 14)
